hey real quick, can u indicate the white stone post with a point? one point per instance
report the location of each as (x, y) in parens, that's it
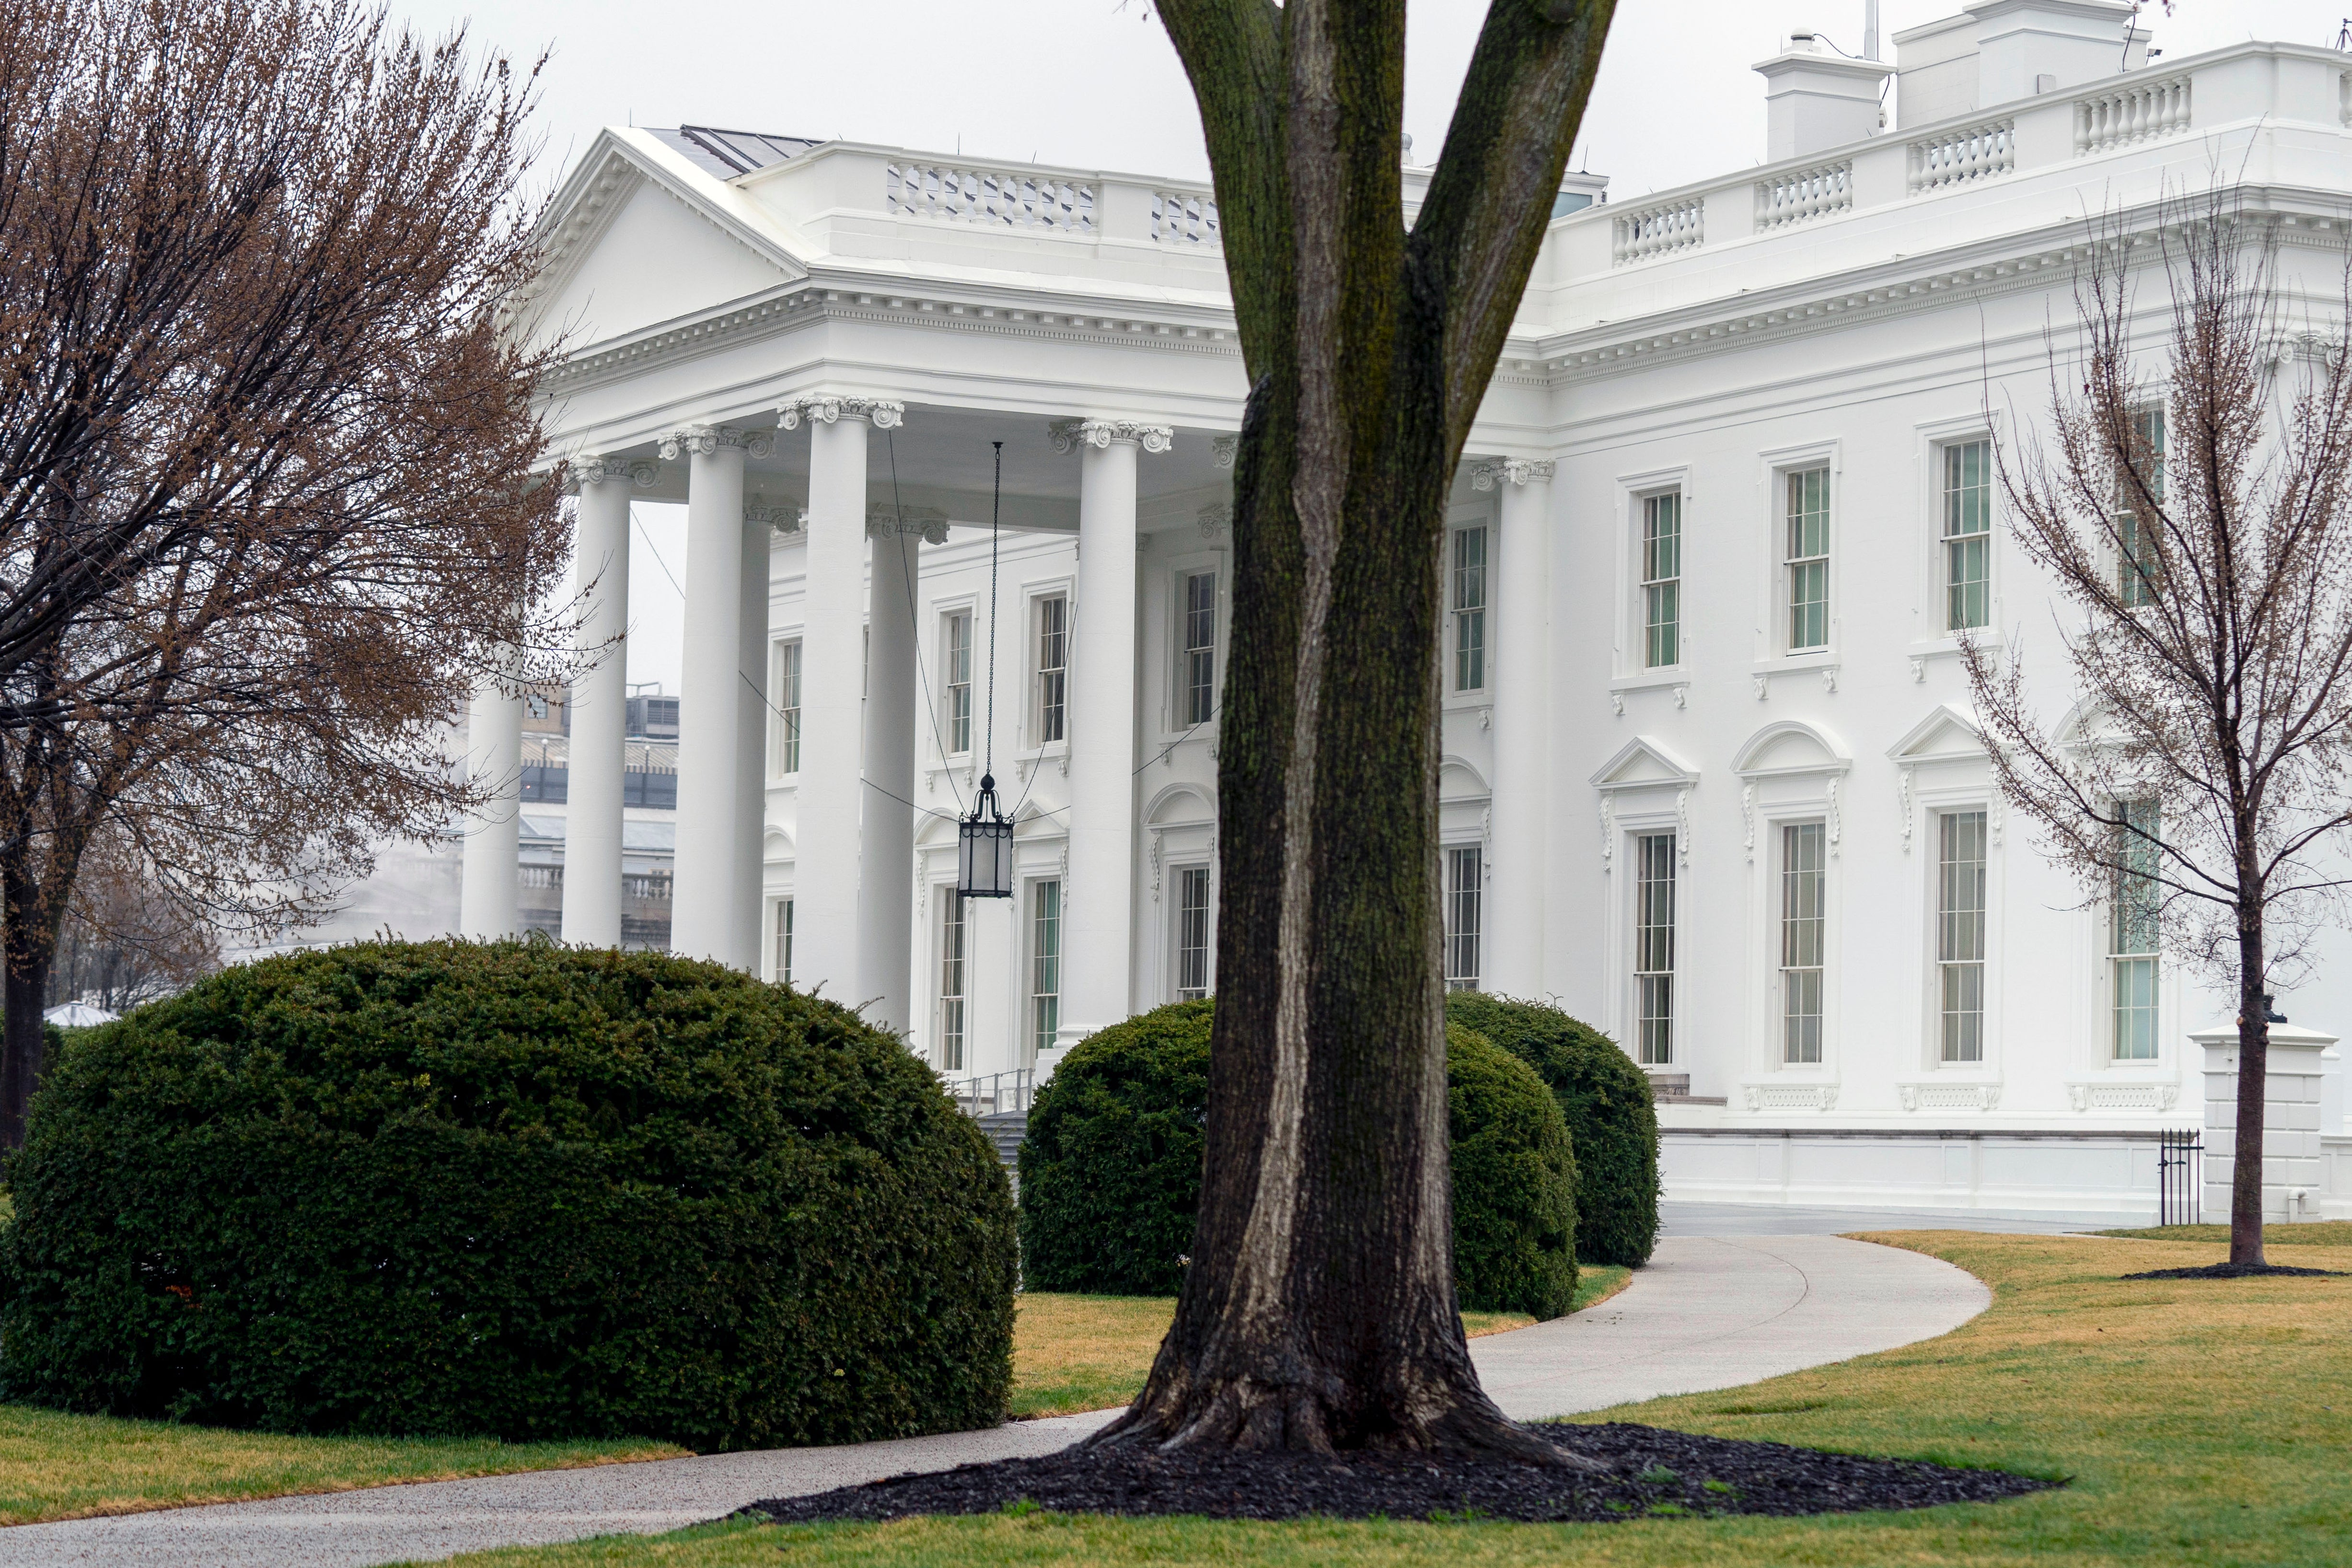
(2292, 1177)
(487, 900)
(886, 895)
(1097, 949)
(832, 798)
(751, 737)
(599, 702)
(703, 904)
(1513, 940)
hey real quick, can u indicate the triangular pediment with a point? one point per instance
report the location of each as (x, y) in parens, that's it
(1948, 734)
(1791, 746)
(1642, 761)
(638, 236)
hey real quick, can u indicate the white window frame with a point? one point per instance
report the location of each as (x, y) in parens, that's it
(1180, 649)
(1633, 491)
(786, 733)
(1459, 977)
(776, 938)
(1784, 897)
(1640, 843)
(1033, 1036)
(1178, 872)
(1939, 1046)
(947, 614)
(1933, 642)
(1033, 705)
(1456, 534)
(2161, 410)
(2148, 961)
(950, 1028)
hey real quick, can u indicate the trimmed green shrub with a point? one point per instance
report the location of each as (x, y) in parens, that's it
(1110, 1170)
(1110, 1167)
(1514, 1183)
(511, 1189)
(1612, 1117)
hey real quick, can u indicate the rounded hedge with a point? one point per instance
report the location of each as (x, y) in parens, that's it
(510, 1189)
(1612, 1117)
(1110, 1170)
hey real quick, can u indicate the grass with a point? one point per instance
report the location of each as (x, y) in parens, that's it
(1076, 1353)
(2319, 1233)
(2196, 1421)
(56, 1465)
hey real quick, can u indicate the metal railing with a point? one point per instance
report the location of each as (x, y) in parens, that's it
(994, 1094)
(2179, 1178)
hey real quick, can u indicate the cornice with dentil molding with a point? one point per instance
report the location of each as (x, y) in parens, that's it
(1069, 435)
(702, 440)
(1511, 471)
(599, 470)
(829, 408)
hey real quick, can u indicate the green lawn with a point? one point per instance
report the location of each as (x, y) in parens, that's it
(2198, 1421)
(2319, 1233)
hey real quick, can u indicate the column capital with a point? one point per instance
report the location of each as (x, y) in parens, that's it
(1069, 435)
(929, 521)
(597, 470)
(827, 407)
(1223, 448)
(784, 518)
(1214, 518)
(702, 440)
(1485, 476)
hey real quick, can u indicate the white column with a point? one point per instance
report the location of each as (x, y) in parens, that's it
(1099, 908)
(487, 900)
(709, 779)
(1513, 938)
(751, 738)
(598, 701)
(886, 891)
(826, 924)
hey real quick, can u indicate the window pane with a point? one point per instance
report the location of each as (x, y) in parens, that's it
(2138, 575)
(1044, 965)
(1053, 668)
(788, 707)
(784, 940)
(1807, 559)
(1961, 933)
(1191, 933)
(1967, 534)
(1464, 877)
(958, 681)
(1470, 609)
(2135, 902)
(952, 997)
(1653, 947)
(1804, 925)
(1199, 653)
(1661, 570)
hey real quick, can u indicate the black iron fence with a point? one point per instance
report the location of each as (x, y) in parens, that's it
(2179, 1178)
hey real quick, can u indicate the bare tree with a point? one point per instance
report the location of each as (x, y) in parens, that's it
(264, 505)
(1320, 1311)
(125, 938)
(2191, 507)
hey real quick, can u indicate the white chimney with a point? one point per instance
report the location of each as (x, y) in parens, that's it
(1998, 51)
(1814, 100)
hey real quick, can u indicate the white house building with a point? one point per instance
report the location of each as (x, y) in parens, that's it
(1711, 779)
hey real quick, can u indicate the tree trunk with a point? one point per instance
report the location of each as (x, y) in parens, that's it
(29, 946)
(2253, 1068)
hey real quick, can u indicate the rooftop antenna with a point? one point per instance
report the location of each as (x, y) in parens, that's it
(1870, 29)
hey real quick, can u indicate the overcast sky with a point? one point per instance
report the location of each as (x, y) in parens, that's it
(1093, 84)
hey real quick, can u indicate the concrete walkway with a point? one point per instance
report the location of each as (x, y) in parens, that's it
(1706, 1313)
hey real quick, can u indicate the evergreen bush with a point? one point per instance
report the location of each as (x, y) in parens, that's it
(511, 1189)
(1110, 1170)
(1612, 1117)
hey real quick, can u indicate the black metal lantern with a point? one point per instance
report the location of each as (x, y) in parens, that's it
(984, 847)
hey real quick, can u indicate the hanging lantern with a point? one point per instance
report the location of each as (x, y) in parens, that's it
(984, 847)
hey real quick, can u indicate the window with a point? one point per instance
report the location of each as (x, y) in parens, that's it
(1805, 918)
(1191, 932)
(1661, 580)
(1465, 875)
(955, 681)
(1044, 965)
(535, 704)
(2137, 559)
(788, 708)
(1961, 933)
(1653, 948)
(784, 940)
(2131, 933)
(1968, 535)
(1053, 668)
(1197, 658)
(1808, 559)
(951, 937)
(1469, 609)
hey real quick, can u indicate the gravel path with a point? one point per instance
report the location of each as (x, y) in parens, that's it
(1706, 1313)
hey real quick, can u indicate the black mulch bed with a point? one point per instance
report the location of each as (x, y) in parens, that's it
(1651, 1471)
(2233, 1271)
